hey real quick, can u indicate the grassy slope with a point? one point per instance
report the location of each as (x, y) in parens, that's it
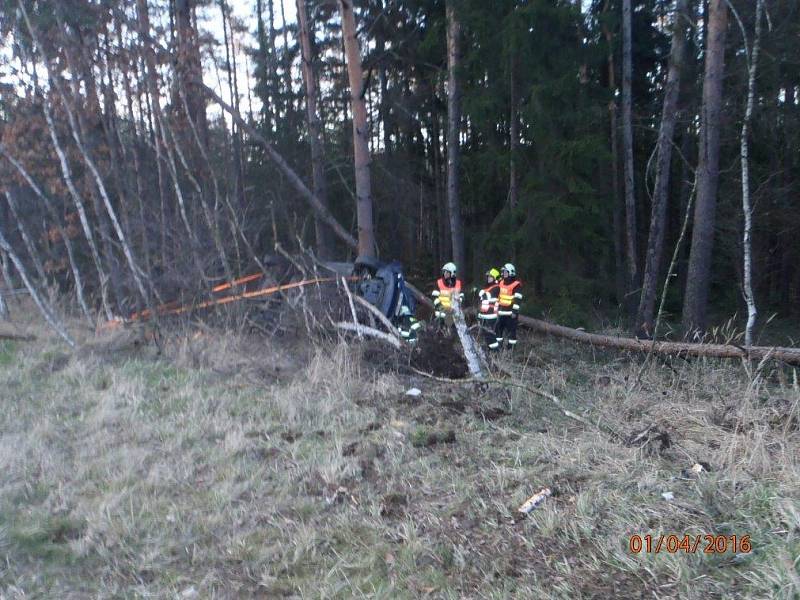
(227, 468)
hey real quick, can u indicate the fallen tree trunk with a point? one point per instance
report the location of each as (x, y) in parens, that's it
(472, 351)
(787, 355)
(17, 337)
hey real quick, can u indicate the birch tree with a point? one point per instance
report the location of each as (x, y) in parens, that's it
(747, 284)
(42, 304)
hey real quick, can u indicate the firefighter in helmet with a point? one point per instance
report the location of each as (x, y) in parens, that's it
(447, 293)
(508, 303)
(487, 311)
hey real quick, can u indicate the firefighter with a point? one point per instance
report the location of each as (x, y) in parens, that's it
(407, 324)
(447, 292)
(487, 312)
(508, 302)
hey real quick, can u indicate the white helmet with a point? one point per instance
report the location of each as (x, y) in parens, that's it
(449, 267)
(512, 270)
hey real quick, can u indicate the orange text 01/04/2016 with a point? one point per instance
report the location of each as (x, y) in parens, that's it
(690, 544)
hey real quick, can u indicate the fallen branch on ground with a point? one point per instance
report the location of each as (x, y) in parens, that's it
(787, 355)
(551, 397)
(369, 332)
(381, 317)
(17, 337)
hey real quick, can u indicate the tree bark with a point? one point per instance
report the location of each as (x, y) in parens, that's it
(699, 274)
(80, 206)
(513, 142)
(627, 143)
(190, 70)
(315, 140)
(151, 79)
(788, 355)
(747, 244)
(366, 233)
(135, 150)
(233, 86)
(453, 135)
(658, 217)
(618, 210)
(265, 47)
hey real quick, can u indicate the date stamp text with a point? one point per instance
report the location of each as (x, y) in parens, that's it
(689, 544)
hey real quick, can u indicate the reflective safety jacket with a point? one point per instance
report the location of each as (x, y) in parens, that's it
(488, 297)
(509, 299)
(444, 296)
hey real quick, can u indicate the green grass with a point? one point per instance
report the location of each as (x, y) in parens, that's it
(190, 473)
(8, 350)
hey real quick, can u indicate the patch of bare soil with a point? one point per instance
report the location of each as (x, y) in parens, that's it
(439, 355)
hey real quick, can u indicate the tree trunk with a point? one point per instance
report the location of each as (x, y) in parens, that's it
(698, 279)
(233, 87)
(366, 234)
(189, 67)
(287, 73)
(315, 140)
(618, 212)
(453, 135)
(135, 150)
(658, 217)
(513, 142)
(151, 78)
(788, 355)
(627, 143)
(747, 287)
(80, 206)
(89, 122)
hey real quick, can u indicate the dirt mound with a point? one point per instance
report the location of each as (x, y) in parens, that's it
(439, 355)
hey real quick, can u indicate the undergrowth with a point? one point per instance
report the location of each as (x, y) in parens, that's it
(227, 466)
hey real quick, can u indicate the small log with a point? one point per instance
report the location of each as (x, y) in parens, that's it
(17, 337)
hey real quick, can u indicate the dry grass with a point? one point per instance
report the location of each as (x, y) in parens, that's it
(229, 467)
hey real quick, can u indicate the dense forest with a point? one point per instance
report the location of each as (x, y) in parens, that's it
(603, 147)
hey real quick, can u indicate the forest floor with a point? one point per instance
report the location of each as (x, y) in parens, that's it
(234, 466)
